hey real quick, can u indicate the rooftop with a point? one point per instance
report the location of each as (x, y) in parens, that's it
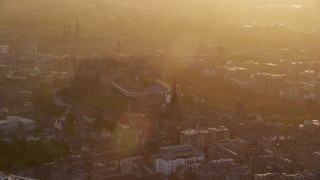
(177, 152)
(190, 132)
(194, 132)
(177, 147)
(20, 119)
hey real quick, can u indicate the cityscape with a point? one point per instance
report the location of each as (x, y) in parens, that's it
(159, 89)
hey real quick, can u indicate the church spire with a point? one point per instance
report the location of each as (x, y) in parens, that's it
(175, 113)
(78, 24)
(77, 33)
(174, 88)
(64, 32)
(68, 30)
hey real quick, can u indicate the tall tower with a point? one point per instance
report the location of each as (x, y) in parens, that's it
(64, 31)
(68, 31)
(77, 33)
(174, 109)
(119, 47)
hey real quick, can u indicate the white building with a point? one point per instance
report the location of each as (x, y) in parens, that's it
(88, 119)
(25, 124)
(57, 124)
(8, 125)
(13, 177)
(17, 124)
(171, 157)
(105, 134)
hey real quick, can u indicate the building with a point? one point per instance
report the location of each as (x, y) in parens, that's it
(218, 152)
(155, 95)
(269, 161)
(4, 49)
(169, 158)
(308, 157)
(202, 139)
(157, 87)
(17, 124)
(57, 124)
(8, 125)
(174, 107)
(211, 170)
(277, 144)
(72, 167)
(316, 160)
(77, 33)
(139, 122)
(13, 177)
(128, 168)
(31, 48)
(25, 124)
(105, 134)
(277, 175)
(238, 145)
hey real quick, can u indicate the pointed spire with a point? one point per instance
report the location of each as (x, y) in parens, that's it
(174, 88)
(118, 47)
(64, 32)
(175, 113)
(77, 32)
(78, 28)
(69, 31)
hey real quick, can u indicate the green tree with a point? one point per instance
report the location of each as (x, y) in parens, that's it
(21, 153)
(44, 99)
(100, 124)
(69, 125)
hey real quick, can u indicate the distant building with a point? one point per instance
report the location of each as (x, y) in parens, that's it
(269, 161)
(105, 134)
(4, 49)
(308, 157)
(316, 160)
(17, 124)
(88, 71)
(310, 123)
(276, 175)
(218, 152)
(217, 169)
(269, 83)
(169, 158)
(67, 35)
(58, 124)
(25, 124)
(13, 177)
(174, 108)
(238, 145)
(139, 122)
(128, 168)
(277, 144)
(8, 125)
(31, 48)
(72, 167)
(155, 95)
(77, 31)
(202, 139)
